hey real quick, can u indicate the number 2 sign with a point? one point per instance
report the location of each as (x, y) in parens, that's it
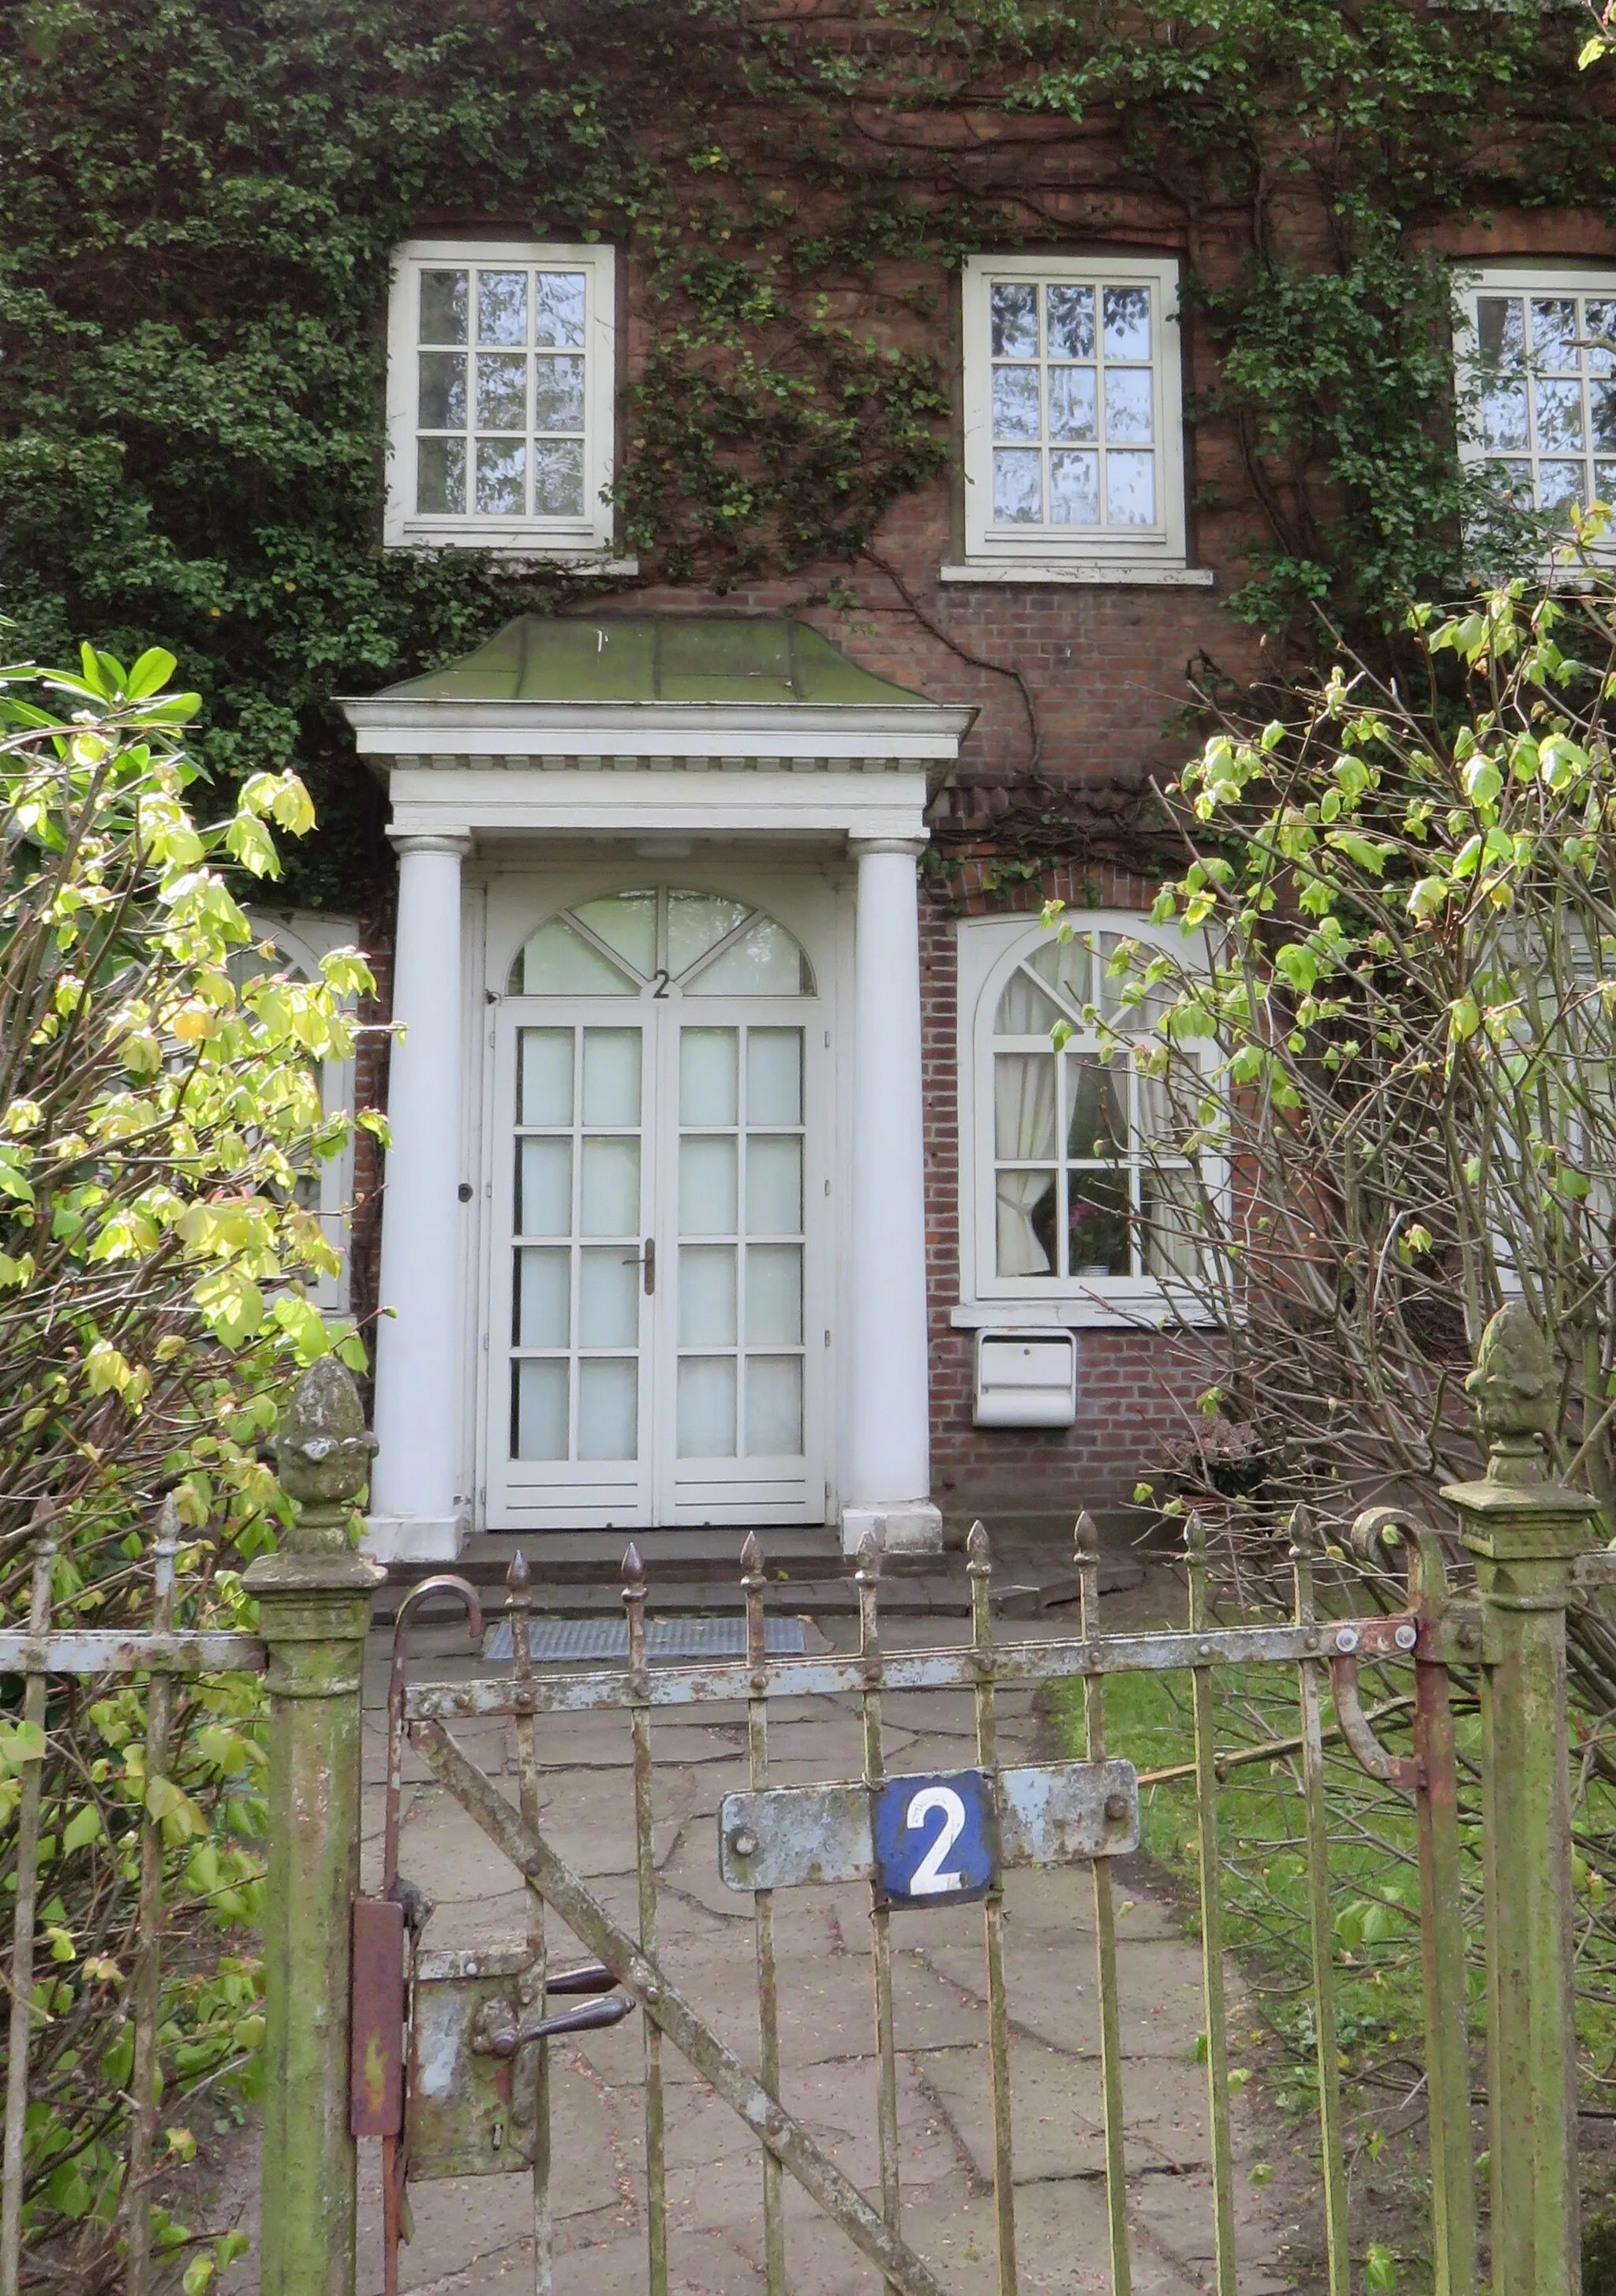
(936, 1839)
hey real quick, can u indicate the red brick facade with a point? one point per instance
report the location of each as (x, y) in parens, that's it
(1083, 691)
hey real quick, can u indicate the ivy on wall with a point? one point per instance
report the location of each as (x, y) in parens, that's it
(198, 199)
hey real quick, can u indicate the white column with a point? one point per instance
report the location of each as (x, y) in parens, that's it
(887, 1449)
(416, 1513)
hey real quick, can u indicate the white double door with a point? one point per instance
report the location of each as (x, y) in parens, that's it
(657, 1337)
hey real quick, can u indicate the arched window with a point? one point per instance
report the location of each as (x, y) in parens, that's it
(1075, 1186)
(672, 938)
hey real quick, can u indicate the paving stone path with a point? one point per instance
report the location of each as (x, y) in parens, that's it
(472, 2235)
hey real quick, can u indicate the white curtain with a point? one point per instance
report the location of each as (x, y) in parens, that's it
(1023, 1122)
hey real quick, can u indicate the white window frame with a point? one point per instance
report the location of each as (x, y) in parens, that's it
(989, 951)
(300, 938)
(1045, 552)
(583, 540)
(1525, 280)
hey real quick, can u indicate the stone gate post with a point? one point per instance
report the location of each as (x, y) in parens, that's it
(314, 1599)
(1525, 1531)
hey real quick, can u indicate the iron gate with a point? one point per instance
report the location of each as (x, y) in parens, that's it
(335, 2054)
(991, 1817)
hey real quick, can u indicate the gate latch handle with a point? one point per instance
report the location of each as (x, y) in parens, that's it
(506, 2039)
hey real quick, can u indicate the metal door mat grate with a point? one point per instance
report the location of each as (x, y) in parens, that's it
(554, 1639)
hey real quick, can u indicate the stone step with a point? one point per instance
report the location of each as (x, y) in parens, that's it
(939, 1592)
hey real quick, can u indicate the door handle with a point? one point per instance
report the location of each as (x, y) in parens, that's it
(647, 1260)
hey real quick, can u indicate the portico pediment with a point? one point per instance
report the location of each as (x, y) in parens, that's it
(739, 724)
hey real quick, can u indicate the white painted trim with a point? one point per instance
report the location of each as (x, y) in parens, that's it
(303, 937)
(1163, 1311)
(1163, 545)
(779, 805)
(988, 950)
(600, 734)
(1030, 573)
(584, 542)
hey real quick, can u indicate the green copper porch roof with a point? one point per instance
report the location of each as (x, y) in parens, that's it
(761, 663)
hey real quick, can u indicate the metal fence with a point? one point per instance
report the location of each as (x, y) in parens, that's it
(341, 2064)
(39, 1655)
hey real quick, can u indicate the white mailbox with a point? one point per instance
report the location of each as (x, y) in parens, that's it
(1026, 1379)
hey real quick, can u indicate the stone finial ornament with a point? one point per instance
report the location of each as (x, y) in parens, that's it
(1516, 1390)
(323, 1449)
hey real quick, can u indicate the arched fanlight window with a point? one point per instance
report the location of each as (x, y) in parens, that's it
(700, 944)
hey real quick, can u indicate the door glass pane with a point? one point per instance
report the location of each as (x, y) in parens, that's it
(773, 1184)
(611, 1188)
(765, 962)
(774, 1075)
(557, 961)
(545, 1094)
(544, 1187)
(543, 1310)
(608, 1408)
(611, 1076)
(608, 1299)
(773, 1295)
(707, 1075)
(773, 1406)
(538, 1411)
(707, 1407)
(696, 922)
(627, 923)
(707, 1187)
(706, 1295)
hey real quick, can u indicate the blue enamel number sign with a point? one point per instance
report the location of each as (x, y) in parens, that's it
(936, 1839)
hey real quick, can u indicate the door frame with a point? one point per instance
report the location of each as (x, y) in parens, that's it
(810, 893)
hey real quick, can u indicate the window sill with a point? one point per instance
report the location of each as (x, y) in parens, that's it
(1112, 573)
(521, 553)
(1148, 1308)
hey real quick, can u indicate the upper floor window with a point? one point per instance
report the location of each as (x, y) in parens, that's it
(1074, 444)
(1072, 1186)
(500, 391)
(1538, 351)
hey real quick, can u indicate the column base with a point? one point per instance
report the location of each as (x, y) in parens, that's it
(415, 1538)
(905, 1527)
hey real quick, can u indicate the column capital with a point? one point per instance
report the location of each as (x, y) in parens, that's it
(858, 847)
(456, 842)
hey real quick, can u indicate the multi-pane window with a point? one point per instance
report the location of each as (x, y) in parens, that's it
(1540, 360)
(1079, 1190)
(1074, 403)
(500, 386)
(1073, 408)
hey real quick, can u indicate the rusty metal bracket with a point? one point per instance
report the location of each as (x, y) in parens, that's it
(1400, 1770)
